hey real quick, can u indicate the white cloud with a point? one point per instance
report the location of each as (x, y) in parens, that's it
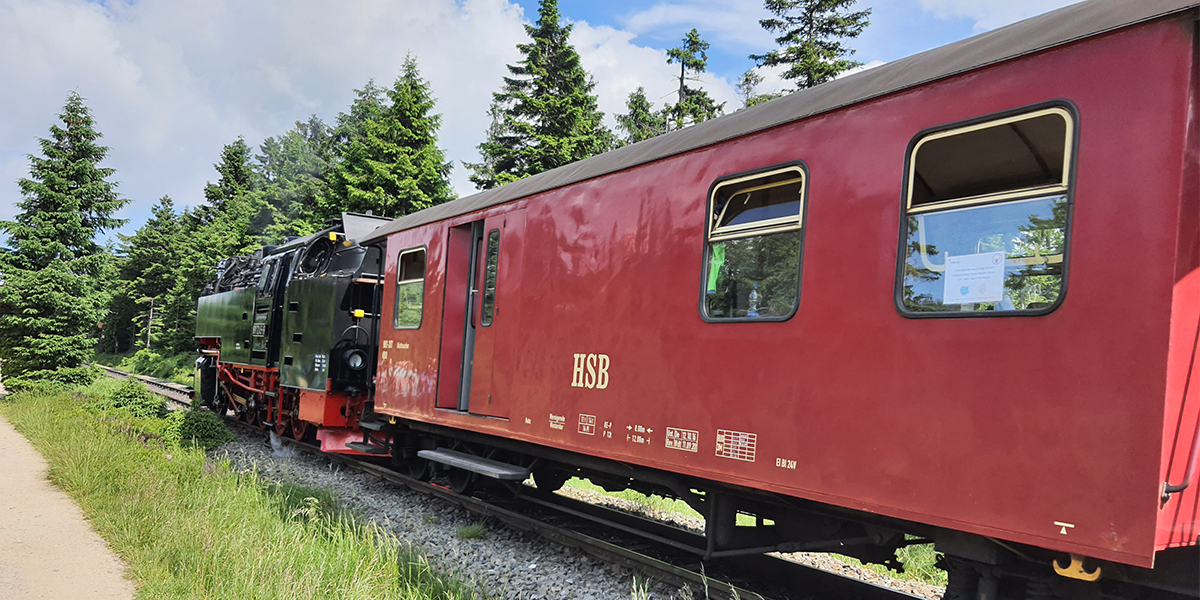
(726, 22)
(171, 82)
(619, 67)
(990, 14)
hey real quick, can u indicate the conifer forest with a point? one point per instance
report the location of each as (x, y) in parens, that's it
(75, 284)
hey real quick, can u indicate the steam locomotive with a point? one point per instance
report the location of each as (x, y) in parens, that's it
(844, 312)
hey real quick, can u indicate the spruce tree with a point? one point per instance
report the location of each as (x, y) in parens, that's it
(642, 122)
(390, 163)
(548, 115)
(292, 170)
(693, 105)
(809, 36)
(230, 224)
(51, 300)
(148, 270)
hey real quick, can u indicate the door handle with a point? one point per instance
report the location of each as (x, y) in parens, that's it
(472, 308)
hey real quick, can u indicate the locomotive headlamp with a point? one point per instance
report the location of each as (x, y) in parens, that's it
(355, 359)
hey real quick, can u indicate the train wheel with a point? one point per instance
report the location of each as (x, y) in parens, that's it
(299, 429)
(418, 468)
(549, 479)
(253, 417)
(462, 481)
(282, 424)
(221, 402)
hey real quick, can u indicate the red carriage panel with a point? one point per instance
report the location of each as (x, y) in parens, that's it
(1045, 429)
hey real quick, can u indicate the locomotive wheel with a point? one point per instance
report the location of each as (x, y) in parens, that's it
(220, 404)
(299, 429)
(282, 424)
(253, 417)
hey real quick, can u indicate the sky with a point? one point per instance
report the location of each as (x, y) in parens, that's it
(170, 82)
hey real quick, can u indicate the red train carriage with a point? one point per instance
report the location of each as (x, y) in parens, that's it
(955, 296)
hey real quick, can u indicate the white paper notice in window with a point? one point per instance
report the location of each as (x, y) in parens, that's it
(974, 278)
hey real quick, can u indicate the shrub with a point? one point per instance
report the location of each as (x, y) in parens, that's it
(134, 397)
(204, 428)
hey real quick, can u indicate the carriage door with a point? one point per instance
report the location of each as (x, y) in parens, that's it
(493, 313)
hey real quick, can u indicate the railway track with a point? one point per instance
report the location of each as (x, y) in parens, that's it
(603, 533)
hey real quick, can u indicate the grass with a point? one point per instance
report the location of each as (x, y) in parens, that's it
(176, 368)
(918, 560)
(192, 528)
(473, 531)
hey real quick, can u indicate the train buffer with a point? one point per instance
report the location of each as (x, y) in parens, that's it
(476, 464)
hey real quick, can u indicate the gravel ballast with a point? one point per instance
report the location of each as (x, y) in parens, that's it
(502, 563)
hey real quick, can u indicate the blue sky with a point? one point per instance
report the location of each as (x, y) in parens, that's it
(898, 28)
(172, 81)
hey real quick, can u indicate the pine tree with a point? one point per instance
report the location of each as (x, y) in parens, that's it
(51, 300)
(642, 122)
(809, 38)
(548, 115)
(390, 163)
(694, 105)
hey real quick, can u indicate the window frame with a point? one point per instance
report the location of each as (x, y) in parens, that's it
(396, 293)
(707, 239)
(1066, 189)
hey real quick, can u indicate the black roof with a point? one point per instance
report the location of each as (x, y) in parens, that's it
(1055, 28)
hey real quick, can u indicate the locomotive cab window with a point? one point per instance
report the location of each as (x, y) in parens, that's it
(410, 289)
(986, 210)
(752, 251)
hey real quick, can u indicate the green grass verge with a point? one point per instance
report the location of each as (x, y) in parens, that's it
(918, 560)
(189, 528)
(177, 368)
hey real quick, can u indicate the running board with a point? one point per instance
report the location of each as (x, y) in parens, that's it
(475, 464)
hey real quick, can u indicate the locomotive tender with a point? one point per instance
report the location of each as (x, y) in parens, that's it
(954, 298)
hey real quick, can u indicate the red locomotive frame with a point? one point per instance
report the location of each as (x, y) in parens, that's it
(1056, 430)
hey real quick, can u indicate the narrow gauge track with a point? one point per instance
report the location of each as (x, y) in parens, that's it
(604, 533)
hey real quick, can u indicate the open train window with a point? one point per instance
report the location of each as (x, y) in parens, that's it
(410, 289)
(752, 251)
(986, 212)
(489, 277)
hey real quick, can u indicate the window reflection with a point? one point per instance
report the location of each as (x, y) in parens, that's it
(410, 289)
(947, 263)
(489, 277)
(754, 277)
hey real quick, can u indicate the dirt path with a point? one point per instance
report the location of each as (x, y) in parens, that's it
(47, 549)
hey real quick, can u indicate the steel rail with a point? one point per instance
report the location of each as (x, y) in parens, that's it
(781, 572)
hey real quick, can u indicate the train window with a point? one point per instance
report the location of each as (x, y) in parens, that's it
(986, 212)
(410, 289)
(266, 284)
(755, 230)
(489, 277)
